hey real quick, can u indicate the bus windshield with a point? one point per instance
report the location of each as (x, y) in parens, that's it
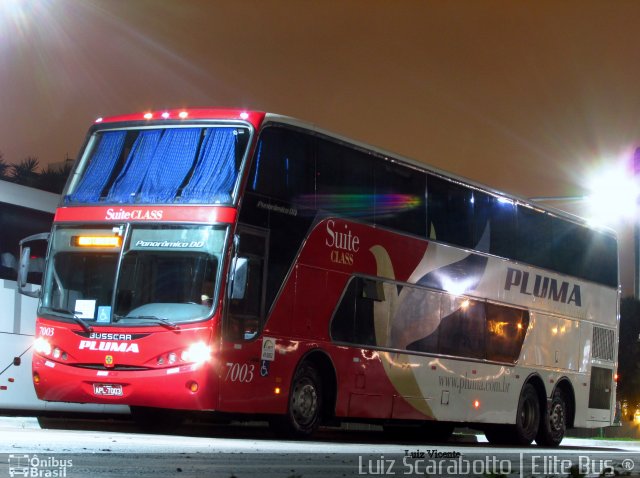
(134, 274)
(178, 164)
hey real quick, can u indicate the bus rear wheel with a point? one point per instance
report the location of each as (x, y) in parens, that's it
(304, 411)
(527, 423)
(528, 416)
(553, 423)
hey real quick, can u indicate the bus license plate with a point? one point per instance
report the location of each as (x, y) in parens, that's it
(107, 389)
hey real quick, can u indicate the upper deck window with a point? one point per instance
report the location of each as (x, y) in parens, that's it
(160, 165)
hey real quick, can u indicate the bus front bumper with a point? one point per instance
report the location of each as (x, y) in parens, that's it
(186, 387)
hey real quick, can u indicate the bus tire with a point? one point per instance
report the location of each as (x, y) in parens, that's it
(527, 417)
(553, 422)
(304, 410)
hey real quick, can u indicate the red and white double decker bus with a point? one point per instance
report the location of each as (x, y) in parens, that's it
(248, 263)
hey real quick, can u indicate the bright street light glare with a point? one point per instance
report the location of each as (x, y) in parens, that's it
(18, 12)
(12, 11)
(23, 22)
(613, 196)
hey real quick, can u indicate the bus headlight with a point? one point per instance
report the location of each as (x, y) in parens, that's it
(42, 346)
(198, 353)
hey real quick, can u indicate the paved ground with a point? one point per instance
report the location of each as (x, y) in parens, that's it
(117, 449)
(616, 437)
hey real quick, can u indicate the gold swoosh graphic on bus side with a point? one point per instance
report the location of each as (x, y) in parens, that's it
(397, 366)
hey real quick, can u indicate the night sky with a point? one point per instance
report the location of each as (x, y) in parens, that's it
(529, 97)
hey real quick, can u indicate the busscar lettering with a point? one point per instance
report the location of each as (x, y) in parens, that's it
(134, 215)
(108, 336)
(543, 287)
(344, 244)
(109, 346)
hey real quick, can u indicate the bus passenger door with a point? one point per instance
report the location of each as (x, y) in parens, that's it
(243, 319)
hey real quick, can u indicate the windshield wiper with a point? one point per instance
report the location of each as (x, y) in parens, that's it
(159, 320)
(72, 315)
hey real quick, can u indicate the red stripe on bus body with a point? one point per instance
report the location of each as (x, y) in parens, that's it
(118, 214)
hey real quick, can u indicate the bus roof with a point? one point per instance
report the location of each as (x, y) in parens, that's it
(256, 119)
(281, 119)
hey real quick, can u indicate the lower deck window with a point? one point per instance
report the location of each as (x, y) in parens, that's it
(406, 317)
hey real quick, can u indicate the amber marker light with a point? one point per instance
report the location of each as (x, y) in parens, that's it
(276, 390)
(476, 404)
(193, 387)
(96, 241)
(36, 378)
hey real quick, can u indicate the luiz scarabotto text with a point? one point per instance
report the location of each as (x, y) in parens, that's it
(421, 462)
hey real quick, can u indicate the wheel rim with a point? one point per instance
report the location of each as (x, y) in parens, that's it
(304, 402)
(556, 418)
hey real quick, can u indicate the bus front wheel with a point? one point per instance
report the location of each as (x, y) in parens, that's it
(304, 410)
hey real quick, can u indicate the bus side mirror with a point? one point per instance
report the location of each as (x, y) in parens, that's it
(25, 264)
(23, 271)
(239, 281)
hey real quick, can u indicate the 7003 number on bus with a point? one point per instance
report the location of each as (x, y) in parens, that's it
(242, 373)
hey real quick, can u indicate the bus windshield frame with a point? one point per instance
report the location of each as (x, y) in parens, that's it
(149, 273)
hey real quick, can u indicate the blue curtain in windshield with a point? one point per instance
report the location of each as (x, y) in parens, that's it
(128, 182)
(99, 170)
(171, 162)
(215, 172)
